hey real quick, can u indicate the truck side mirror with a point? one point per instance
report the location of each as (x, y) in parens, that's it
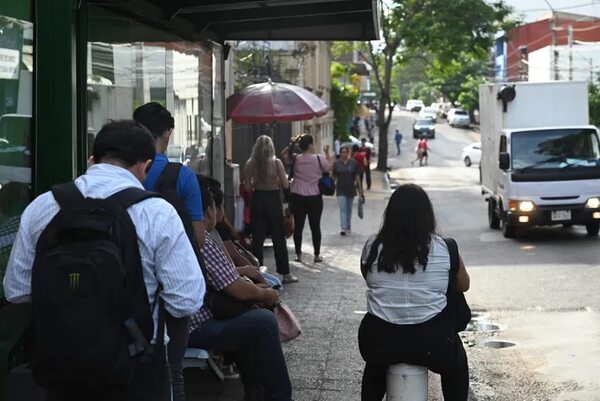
(504, 161)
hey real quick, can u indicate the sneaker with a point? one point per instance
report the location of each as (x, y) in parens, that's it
(318, 259)
(289, 279)
(342, 233)
(298, 257)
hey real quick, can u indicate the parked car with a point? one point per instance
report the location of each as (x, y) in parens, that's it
(459, 118)
(355, 141)
(471, 154)
(429, 112)
(424, 128)
(414, 105)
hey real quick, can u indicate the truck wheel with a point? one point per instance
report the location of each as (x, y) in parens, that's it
(508, 231)
(493, 218)
(467, 161)
(592, 228)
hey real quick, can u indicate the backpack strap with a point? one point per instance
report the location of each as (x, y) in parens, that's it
(168, 178)
(454, 261)
(68, 195)
(130, 196)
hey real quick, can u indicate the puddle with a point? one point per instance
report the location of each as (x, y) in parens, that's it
(498, 344)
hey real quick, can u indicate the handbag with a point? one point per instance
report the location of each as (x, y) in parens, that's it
(223, 306)
(289, 326)
(326, 182)
(459, 310)
(246, 253)
(359, 209)
(288, 223)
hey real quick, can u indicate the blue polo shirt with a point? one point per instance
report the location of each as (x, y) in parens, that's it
(188, 188)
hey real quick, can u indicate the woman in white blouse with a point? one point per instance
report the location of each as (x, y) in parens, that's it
(406, 266)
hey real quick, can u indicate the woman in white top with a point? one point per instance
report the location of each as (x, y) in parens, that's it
(407, 266)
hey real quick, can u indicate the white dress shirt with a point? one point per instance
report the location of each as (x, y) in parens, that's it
(409, 298)
(166, 253)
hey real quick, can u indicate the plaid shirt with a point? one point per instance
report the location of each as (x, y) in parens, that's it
(220, 273)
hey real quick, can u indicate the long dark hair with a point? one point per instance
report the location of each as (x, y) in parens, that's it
(405, 234)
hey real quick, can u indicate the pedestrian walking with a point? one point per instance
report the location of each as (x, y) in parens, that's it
(97, 257)
(306, 200)
(407, 269)
(337, 144)
(367, 169)
(265, 176)
(347, 182)
(422, 151)
(361, 161)
(398, 140)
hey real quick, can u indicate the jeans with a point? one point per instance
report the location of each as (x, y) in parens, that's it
(432, 344)
(301, 207)
(345, 204)
(253, 339)
(266, 211)
(397, 148)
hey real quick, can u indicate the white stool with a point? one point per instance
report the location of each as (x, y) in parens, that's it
(199, 358)
(407, 383)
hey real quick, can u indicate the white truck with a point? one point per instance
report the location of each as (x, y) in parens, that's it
(540, 158)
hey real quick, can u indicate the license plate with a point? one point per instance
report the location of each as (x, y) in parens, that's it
(560, 215)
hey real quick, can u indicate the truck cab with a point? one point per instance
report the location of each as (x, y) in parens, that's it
(535, 174)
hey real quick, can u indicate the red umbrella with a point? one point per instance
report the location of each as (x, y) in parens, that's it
(271, 101)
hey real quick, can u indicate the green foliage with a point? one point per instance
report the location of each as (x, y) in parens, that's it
(344, 98)
(594, 103)
(469, 95)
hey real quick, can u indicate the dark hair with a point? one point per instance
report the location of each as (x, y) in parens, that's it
(125, 141)
(155, 117)
(305, 142)
(218, 196)
(355, 148)
(207, 198)
(405, 234)
(363, 139)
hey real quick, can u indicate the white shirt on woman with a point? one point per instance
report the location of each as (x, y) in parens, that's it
(409, 298)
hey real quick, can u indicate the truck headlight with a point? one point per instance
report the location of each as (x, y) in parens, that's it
(521, 206)
(593, 203)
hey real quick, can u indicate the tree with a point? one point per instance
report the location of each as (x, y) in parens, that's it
(439, 29)
(594, 103)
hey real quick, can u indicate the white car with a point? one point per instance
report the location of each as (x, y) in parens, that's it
(458, 117)
(352, 140)
(471, 154)
(414, 105)
(428, 113)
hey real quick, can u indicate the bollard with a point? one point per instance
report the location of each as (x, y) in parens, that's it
(406, 383)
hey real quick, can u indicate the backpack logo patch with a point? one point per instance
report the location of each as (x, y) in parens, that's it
(74, 281)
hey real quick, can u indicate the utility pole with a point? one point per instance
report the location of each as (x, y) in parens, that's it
(554, 49)
(591, 70)
(570, 31)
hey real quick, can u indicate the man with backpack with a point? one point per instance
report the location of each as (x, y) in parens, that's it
(101, 260)
(179, 186)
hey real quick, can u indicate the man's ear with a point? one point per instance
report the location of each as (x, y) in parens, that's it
(140, 169)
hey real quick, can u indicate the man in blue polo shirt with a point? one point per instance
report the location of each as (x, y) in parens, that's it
(160, 123)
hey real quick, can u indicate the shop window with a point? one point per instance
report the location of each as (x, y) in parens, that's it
(16, 104)
(129, 65)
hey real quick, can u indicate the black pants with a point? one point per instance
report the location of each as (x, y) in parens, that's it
(178, 331)
(367, 175)
(150, 383)
(266, 212)
(301, 207)
(432, 344)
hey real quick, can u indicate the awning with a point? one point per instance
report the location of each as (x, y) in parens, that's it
(259, 20)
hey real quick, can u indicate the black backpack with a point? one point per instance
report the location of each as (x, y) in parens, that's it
(91, 316)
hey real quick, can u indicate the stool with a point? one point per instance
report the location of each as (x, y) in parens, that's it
(406, 383)
(199, 358)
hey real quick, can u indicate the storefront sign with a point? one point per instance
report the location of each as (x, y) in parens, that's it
(9, 64)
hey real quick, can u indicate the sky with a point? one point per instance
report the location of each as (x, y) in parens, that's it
(533, 9)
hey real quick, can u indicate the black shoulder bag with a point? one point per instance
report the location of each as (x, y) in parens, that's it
(460, 313)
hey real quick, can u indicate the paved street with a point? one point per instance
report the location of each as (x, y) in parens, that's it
(541, 290)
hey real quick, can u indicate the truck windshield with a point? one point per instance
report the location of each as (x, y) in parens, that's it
(555, 149)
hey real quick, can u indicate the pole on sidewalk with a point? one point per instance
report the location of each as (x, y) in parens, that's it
(570, 31)
(406, 383)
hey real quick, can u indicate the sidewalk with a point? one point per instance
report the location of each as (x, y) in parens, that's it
(324, 362)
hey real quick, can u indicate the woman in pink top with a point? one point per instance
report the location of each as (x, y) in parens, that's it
(306, 170)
